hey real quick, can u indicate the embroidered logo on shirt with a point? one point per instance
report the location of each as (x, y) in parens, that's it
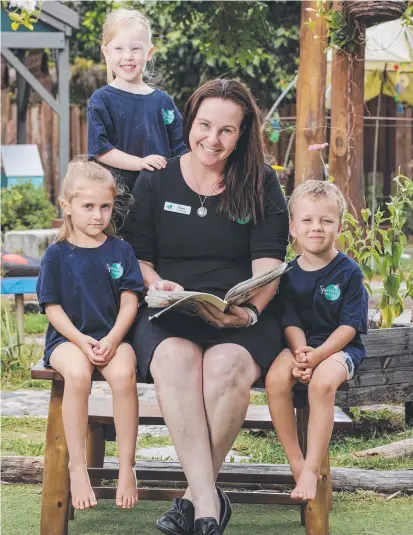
(332, 292)
(244, 221)
(115, 270)
(168, 116)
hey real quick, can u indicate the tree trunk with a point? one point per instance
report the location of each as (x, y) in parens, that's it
(347, 111)
(30, 470)
(395, 450)
(311, 88)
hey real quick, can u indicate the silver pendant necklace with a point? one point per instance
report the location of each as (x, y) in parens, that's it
(202, 211)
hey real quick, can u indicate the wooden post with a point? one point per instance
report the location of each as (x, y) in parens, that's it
(56, 489)
(311, 88)
(75, 141)
(404, 149)
(347, 111)
(316, 511)
(5, 111)
(95, 451)
(408, 414)
(19, 306)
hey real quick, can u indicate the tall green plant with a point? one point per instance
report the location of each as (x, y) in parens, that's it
(379, 248)
(10, 341)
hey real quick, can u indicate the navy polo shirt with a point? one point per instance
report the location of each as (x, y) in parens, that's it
(136, 124)
(87, 283)
(320, 301)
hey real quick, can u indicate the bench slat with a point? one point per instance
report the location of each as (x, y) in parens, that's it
(18, 285)
(258, 416)
(254, 497)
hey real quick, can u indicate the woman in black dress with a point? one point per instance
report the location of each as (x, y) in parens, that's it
(210, 219)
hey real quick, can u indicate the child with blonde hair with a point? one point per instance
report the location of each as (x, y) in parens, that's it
(131, 126)
(324, 311)
(89, 287)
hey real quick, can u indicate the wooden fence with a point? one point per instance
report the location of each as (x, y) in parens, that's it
(42, 129)
(395, 139)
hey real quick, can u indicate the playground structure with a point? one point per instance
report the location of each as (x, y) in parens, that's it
(52, 31)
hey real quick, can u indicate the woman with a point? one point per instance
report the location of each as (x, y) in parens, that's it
(210, 219)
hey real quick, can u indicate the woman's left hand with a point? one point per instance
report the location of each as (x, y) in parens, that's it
(236, 317)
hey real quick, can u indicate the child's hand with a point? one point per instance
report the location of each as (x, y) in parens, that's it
(88, 344)
(302, 375)
(152, 162)
(106, 349)
(306, 357)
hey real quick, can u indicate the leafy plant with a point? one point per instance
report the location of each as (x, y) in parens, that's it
(24, 13)
(380, 248)
(17, 358)
(255, 41)
(341, 33)
(26, 207)
(407, 17)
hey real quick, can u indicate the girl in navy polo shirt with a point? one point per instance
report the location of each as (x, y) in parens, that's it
(89, 287)
(131, 126)
(324, 309)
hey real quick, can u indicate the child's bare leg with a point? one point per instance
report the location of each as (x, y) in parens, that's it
(279, 383)
(326, 378)
(76, 370)
(120, 373)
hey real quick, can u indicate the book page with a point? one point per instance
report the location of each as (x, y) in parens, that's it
(181, 302)
(241, 292)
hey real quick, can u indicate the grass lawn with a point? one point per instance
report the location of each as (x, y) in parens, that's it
(35, 323)
(365, 513)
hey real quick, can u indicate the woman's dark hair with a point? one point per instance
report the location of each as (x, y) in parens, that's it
(243, 196)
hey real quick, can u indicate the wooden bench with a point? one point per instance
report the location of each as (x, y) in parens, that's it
(385, 376)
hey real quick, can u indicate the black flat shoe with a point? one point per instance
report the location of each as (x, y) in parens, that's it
(207, 526)
(226, 509)
(179, 520)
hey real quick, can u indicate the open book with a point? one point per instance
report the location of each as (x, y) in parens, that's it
(186, 301)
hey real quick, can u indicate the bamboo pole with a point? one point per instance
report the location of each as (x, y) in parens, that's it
(311, 88)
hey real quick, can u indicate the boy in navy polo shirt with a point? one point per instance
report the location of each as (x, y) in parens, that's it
(324, 311)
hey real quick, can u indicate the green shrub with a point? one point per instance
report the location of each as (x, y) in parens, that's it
(26, 207)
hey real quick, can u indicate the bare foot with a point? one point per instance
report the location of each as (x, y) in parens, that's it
(306, 486)
(127, 493)
(83, 496)
(296, 468)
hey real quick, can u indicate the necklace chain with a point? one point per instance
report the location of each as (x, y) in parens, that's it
(202, 211)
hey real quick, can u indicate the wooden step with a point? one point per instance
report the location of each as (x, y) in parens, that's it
(258, 416)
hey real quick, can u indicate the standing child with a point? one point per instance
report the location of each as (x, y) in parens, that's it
(89, 286)
(131, 126)
(324, 311)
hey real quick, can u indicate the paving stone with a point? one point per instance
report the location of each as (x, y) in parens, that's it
(8, 395)
(153, 430)
(169, 453)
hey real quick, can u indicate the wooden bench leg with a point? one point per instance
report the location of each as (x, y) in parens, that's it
(56, 487)
(302, 428)
(95, 452)
(316, 512)
(408, 414)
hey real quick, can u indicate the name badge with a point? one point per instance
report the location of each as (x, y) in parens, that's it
(177, 208)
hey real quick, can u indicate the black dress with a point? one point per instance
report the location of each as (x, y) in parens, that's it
(209, 254)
